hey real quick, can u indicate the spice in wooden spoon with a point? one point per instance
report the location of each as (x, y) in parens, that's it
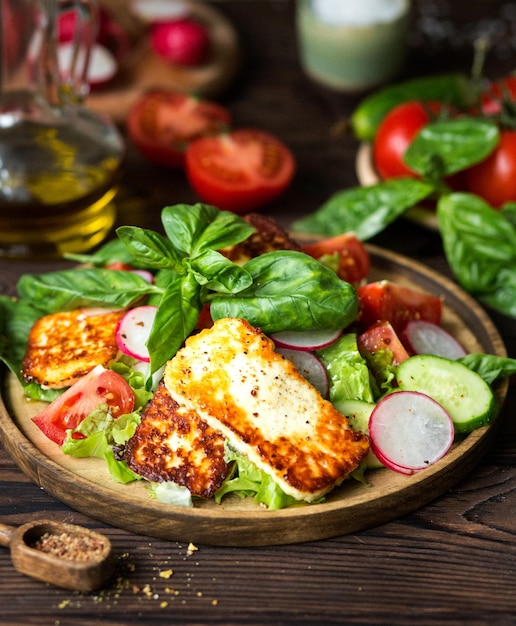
(62, 554)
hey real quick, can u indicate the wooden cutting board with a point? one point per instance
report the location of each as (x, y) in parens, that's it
(85, 484)
(142, 70)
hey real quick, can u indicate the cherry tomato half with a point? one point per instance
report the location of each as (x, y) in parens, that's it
(494, 179)
(396, 132)
(354, 262)
(161, 124)
(239, 171)
(397, 304)
(99, 386)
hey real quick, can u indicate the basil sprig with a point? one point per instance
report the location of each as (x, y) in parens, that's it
(479, 242)
(276, 291)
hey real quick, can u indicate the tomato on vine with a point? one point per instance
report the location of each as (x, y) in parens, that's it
(395, 134)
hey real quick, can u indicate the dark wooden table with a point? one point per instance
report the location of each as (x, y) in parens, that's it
(452, 562)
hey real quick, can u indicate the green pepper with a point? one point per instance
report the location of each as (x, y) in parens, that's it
(454, 88)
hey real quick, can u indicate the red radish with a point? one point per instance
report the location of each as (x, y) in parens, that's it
(133, 331)
(152, 11)
(410, 431)
(181, 42)
(102, 65)
(423, 337)
(66, 26)
(310, 367)
(305, 340)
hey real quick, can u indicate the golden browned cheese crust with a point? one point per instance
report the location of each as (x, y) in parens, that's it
(232, 377)
(268, 237)
(173, 444)
(63, 347)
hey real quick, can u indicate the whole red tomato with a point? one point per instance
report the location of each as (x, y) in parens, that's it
(396, 132)
(494, 179)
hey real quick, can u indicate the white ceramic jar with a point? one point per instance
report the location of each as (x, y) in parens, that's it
(352, 45)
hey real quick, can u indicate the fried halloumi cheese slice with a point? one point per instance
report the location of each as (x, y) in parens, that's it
(231, 376)
(174, 444)
(63, 347)
(267, 237)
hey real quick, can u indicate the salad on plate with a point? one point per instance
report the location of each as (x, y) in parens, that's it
(223, 357)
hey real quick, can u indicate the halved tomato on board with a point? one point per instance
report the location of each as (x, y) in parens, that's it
(397, 304)
(239, 171)
(161, 124)
(352, 258)
(100, 386)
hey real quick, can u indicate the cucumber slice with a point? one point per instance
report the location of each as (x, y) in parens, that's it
(463, 393)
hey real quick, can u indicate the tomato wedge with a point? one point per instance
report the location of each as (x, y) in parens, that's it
(353, 263)
(161, 124)
(239, 171)
(397, 304)
(382, 336)
(99, 386)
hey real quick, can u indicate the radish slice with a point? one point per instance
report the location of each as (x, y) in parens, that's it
(424, 337)
(308, 340)
(145, 274)
(310, 367)
(410, 431)
(133, 331)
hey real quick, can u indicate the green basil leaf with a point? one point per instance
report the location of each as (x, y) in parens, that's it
(489, 366)
(149, 248)
(70, 289)
(176, 318)
(184, 224)
(225, 230)
(290, 291)
(509, 211)
(366, 211)
(503, 296)
(219, 273)
(453, 144)
(478, 241)
(114, 251)
(16, 319)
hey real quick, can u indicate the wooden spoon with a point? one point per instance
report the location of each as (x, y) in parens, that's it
(62, 554)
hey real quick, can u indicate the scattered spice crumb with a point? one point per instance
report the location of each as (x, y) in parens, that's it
(167, 573)
(191, 549)
(214, 602)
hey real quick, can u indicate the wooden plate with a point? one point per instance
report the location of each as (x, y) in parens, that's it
(142, 70)
(85, 485)
(367, 175)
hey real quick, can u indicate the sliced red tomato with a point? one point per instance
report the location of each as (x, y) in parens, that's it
(494, 179)
(354, 262)
(100, 386)
(239, 171)
(161, 124)
(397, 304)
(382, 336)
(119, 265)
(395, 134)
